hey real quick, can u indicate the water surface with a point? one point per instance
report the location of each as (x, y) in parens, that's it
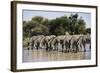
(42, 55)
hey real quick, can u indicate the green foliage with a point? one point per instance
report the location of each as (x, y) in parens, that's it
(38, 19)
(59, 31)
(59, 26)
(80, 27)
(88, 30)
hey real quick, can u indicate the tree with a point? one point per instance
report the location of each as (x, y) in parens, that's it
(73, 22)
(58, 26)
(38, 19)
(32, 28)
(88, 30)
(82, 28)
(27, 28)
(64, 22)
(45, 22)
(77, 25)
(59, 31)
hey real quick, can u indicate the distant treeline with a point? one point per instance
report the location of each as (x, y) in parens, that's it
(59, 26)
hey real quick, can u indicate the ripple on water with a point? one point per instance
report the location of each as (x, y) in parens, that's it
(42, 55)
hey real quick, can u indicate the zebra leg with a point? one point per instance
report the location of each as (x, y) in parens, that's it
(37, 46)
(62, 46)
(50, 47)
(84, 47)
(75, 47)
(67, 47)
(31, 46)
(46, 46)
(57, 47)
(28, 46)
(70, 47)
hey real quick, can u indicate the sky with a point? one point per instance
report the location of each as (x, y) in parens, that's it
(28, 14)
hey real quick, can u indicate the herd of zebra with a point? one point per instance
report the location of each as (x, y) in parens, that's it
(66, 43)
